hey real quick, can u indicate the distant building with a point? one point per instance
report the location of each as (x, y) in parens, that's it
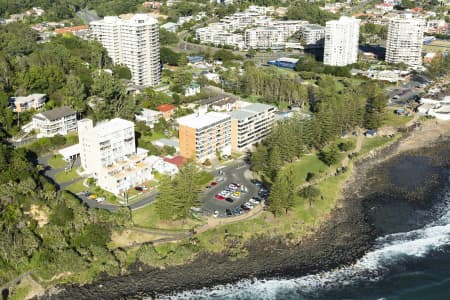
(192, 90)
(221, 102)
(341, 42)
(223, 2)
(405, 37)
(61, 120)
(150, 117)
(313, 35)
(250, 125)
(109, 154)
(24, 103)
(264, 38)
(202, 135)
(71, 29)
(170, 26)
(152, 4)
(133, 42)
(284, 62)
(167, 110)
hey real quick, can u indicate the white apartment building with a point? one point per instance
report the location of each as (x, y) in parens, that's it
(405, 37)
(264, 38)
(108, 153)
(61, 120)
(202, 135)
(250, 125)
(133, 42)
(341, 41)
(313, 35)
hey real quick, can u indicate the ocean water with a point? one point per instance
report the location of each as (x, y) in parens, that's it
(402, 266)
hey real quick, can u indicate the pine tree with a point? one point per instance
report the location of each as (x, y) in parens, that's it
(278, 196)
(166, 200)
(186, 189)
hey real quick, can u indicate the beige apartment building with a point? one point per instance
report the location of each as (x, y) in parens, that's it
(250, 125)
(202, 135)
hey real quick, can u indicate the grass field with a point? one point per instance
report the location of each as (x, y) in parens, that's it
(375, 142)
(64, 176)
(394, 120)
(148, 218)
(77, 187)
(56, 162)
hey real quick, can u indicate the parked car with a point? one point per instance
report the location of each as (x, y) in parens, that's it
(253, 201)
(219, 197)
(238, 211)
(244, 189)
(220, 179)
(213, 183)
(244, 208)
(230, 200)
(93, 196)
(228, 212)
(139, 188)
(216, 214)
(100, 199)
(236, 194)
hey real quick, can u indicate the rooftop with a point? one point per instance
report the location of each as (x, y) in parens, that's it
(166, 107)
(198, 121)
(257, 107)
(215, 99)
(55, 114)
(240, 114)
(177, 160)
(112, 126)
(24, 99)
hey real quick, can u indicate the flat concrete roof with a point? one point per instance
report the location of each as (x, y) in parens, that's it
(198, 121)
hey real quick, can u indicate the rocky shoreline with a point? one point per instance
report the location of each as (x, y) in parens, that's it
(346, 236)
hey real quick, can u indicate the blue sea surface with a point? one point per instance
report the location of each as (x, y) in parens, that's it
(402, 266)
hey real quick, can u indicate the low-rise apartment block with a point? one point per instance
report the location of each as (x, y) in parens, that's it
(24, 103)
(313, 35)
(202, 135)
(250, 125)
(108, 153)
(61, 120)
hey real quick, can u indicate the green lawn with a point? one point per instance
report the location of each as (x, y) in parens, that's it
(57, 162)
(204, 178)
(64, 176)
(309, 163)
(148, 218)
(394, 120)
(77, 187)
(375, 142)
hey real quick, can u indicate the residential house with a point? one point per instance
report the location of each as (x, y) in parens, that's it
(24, 103)
(61, 120)
(150, 117)
(167, 110)
(192, 90)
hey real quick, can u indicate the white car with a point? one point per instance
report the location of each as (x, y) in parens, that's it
(253, 201)
(225, 193)
(216, 214)
(100, 199)
(249, 205)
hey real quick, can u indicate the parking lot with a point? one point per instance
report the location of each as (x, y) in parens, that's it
(231, 188)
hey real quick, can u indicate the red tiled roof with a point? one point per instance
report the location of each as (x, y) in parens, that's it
(166, 107)
(71, 29)
(177, 160)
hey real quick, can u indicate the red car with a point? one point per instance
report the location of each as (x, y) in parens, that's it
(218, 197)
(213, 183)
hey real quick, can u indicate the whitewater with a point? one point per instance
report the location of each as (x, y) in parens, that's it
(390, 252)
